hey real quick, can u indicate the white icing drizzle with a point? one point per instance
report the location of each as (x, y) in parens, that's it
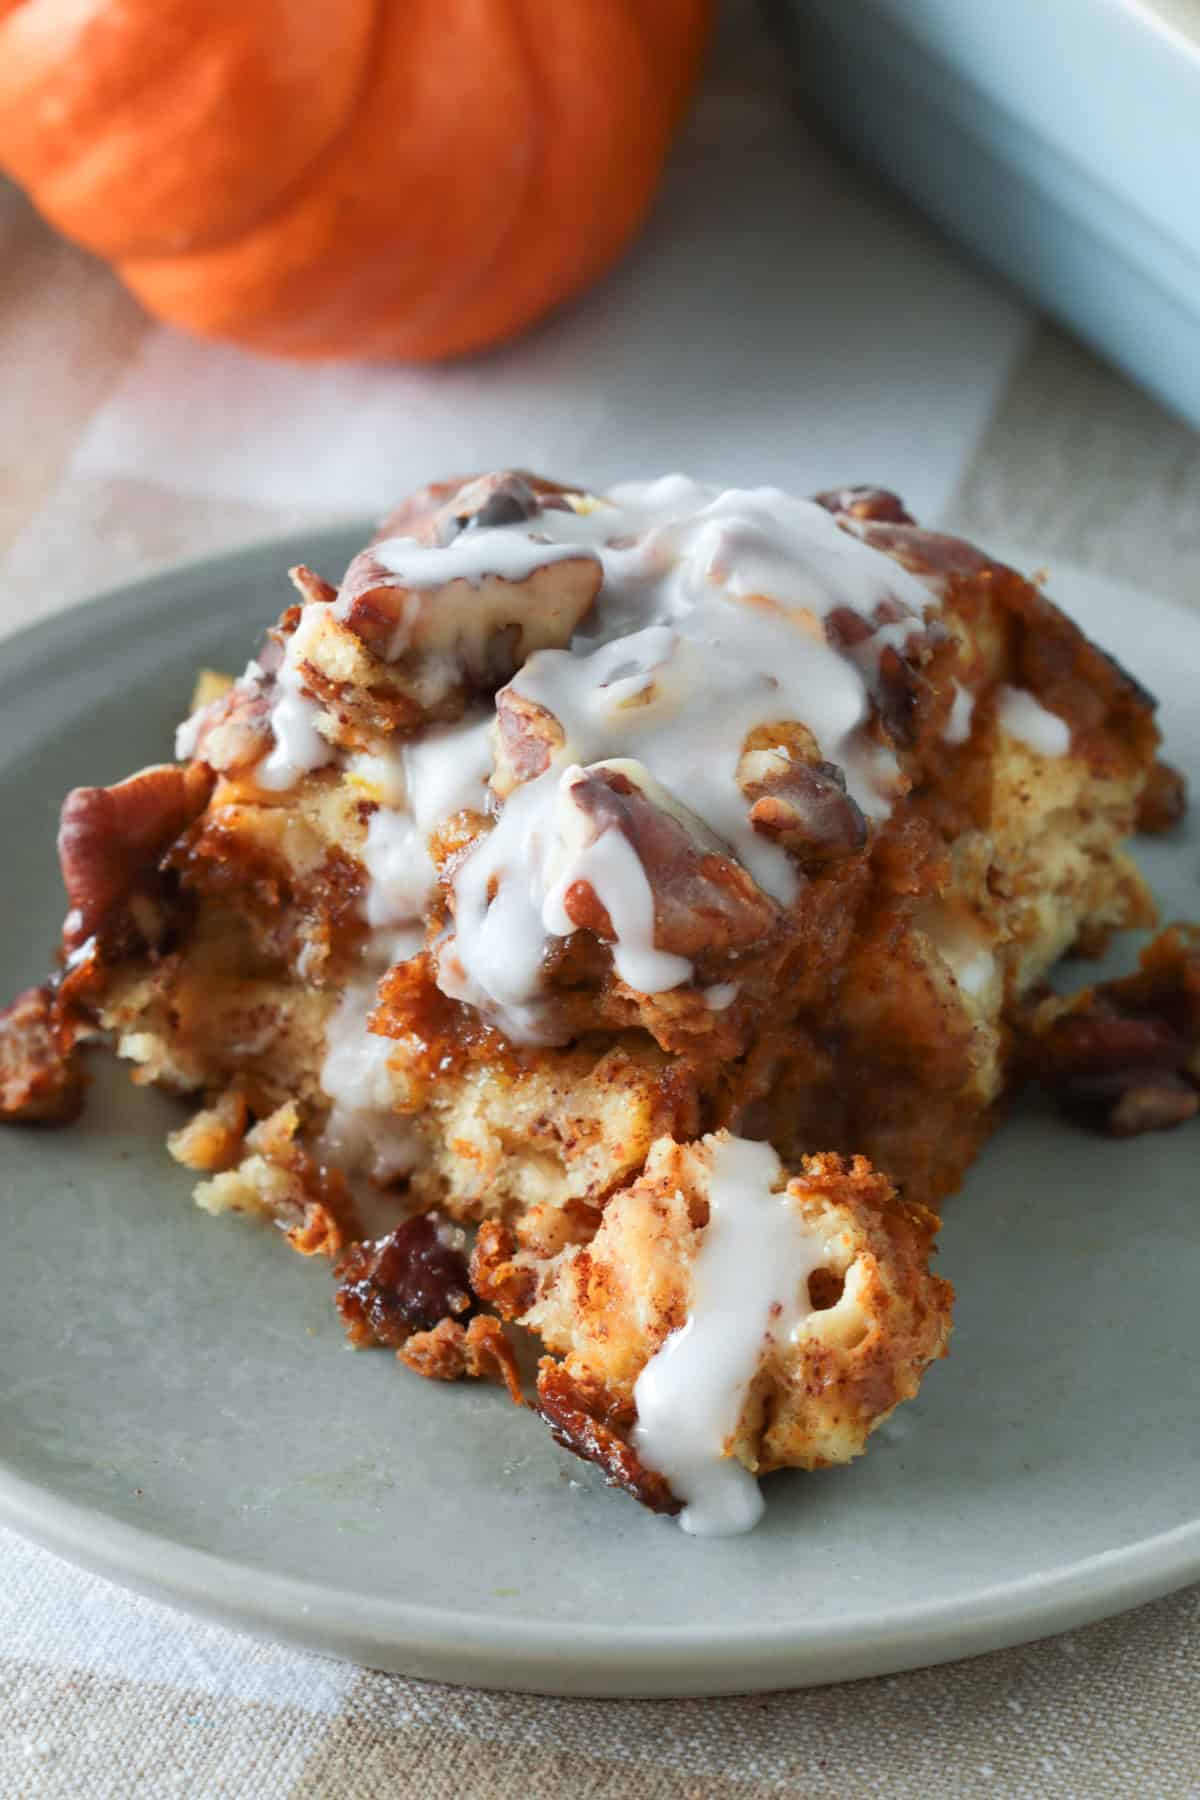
(612, 868)
(498, 898)
(497, 551)
(363, 1132)
(420, 785)
(439, 775)
(1023, 716)
(381, 776)
(709, 623)
(720, 995)
(958, 725)
(969, 959)
(401, 875)
(972, 971)
(187, 735)
(749, 1285)
(299, 747)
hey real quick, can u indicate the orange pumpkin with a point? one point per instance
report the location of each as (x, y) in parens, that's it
(413, 178)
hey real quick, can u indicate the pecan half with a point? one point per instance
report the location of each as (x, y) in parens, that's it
(435, 513)
(405, 1282)
(109, 838)
(505, 498)
(485, 629)
(1163, 802)
(485, 625)
(1123, 1057)
(564, 1405)
(41, 1081)
(705, 902)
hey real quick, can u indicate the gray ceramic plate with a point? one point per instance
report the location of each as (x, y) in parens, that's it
(178, 1409)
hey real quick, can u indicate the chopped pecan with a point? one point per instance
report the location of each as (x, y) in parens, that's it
(41, 1081)
(903, 695)
(866, 503)
(405, 1282)
(431, 515)
(1123, 1056)
(109, 838)
(527, 738)
(451, 1350)
(506, 498)
(1163, 802)
(233, 732)
(563, 1404)
(415, 515)
(704, 901)
(898, 693)
(311, 587)
(805, 807)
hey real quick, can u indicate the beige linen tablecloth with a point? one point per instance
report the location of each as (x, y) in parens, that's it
(781, 321)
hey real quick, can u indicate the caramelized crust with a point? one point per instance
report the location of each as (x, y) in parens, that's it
(574, 1413)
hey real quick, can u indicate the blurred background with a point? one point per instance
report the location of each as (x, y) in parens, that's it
(807, 303)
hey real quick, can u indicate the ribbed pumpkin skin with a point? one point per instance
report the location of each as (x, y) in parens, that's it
(320, 178)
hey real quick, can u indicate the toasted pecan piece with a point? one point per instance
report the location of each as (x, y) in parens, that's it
(436, 513)
(528, 737)
(705, 902)
(486, 626)
(41, 1081)
(866, 503)
(1123, 1057)
(110, 837)
(231, 733)
(805, 807)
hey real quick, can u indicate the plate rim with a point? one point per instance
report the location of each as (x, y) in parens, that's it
(466, 1648)
(563, 1657)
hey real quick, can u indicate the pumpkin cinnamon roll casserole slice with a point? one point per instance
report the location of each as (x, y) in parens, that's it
(620, 917)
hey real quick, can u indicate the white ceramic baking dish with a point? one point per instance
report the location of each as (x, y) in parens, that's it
(1058, 139)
